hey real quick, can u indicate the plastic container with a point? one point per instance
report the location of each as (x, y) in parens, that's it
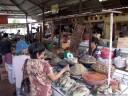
(106, 55)
(65, 54)
(120, 62)
(48, 46)
(87, 38)
(92, 82)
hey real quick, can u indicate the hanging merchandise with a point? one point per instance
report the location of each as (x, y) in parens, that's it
(55, 8)
(76, 37)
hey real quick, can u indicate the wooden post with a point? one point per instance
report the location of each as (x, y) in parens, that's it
(80, 6)
(90, 33)
(27, 29)
(110, 48)
(43, 22)
(52, 30)
(59, 37)
(40, 34)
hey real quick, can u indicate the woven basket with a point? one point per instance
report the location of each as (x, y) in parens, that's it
(102, 68)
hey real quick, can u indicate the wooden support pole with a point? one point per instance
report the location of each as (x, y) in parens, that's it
(80, 6)
(59, 37)
(27, 29)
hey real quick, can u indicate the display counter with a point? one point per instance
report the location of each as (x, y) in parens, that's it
(121, 76)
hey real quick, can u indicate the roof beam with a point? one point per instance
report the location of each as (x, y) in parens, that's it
(2, 4)
(22, 2)
(10, 11)
(15, 3)
(36, 4)
(32, 8)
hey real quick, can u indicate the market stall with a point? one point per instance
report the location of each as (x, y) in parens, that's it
(87, 76)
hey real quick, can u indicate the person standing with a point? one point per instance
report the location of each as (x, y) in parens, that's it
(18, 62)
(40, 72)
(5, 46)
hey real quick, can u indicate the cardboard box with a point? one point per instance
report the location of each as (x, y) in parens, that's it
(65, 45)
(122, 42)
(3, 73)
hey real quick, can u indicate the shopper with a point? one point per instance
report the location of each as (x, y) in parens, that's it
(94, 50)
(5, 46)
(18, 61)
(40, 72)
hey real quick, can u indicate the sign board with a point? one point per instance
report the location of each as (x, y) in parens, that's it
(3, 19)
(122, 42)
(55, 8)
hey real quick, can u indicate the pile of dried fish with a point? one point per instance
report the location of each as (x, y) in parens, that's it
(105, 90)
(78, 69)
(87, 59)
(71, 87)
(102, 67)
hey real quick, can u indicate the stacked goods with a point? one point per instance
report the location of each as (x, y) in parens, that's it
(102, 67)
(87, 59)
(76, 37)
(81, 91)
(55, 61)
(50, 54)
(105, 53)
(104, 89)
(72, 88)
(94, 78)
(72, 61)
(77, 69)
(120, 62)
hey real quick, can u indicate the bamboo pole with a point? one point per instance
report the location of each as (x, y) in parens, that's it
(110, 48)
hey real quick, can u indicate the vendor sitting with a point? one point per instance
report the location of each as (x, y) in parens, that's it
(94, 50)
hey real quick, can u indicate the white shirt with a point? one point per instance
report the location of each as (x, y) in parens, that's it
(18, 62)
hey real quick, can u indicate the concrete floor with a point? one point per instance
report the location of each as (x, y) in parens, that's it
(6, 89)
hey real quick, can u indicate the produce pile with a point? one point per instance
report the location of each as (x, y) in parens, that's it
(55, 61)
(87, 59)
(102, 67)
(77, 69)
(94, 76)
(72, 61)
(106, 90)
(72, 88)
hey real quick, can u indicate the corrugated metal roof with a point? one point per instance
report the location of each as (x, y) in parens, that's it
(34, 7)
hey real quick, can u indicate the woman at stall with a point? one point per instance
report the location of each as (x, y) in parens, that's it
(40, 72)
(94, 50)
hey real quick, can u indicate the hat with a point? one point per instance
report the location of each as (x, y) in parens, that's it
(20, 45)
